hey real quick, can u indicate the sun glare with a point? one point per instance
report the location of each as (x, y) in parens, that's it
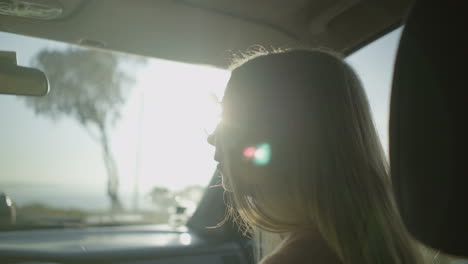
(174, 110)
(160, 139)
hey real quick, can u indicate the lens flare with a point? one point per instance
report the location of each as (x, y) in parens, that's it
(260, 155)
(185, 239)
(249, 152)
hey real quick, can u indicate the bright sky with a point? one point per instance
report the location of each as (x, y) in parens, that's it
(374, 66)
(172, 101)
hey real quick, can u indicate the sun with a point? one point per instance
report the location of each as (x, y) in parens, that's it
(168, 117)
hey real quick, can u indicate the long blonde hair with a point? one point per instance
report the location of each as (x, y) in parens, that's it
(327, 169)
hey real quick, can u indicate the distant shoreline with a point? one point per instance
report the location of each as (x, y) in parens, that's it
(66, 197)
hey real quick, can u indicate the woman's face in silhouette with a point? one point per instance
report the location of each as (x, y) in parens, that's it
(224, 167)
(236, 155)
(240, 129)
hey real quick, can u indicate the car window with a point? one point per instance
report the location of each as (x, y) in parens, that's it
(119, 139)
(374, 66)
(156, 115)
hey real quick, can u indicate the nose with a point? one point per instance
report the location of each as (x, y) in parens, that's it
(211, 139)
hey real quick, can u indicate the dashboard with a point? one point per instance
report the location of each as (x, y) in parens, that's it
(120, 245)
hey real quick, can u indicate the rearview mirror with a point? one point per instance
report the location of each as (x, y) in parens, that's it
(19, 80)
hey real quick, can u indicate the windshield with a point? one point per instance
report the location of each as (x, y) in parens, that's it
(119, 138)
(122, 139)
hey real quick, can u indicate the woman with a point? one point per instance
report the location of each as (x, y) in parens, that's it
(300, 158)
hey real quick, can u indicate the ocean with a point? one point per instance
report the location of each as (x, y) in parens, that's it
(67, 197)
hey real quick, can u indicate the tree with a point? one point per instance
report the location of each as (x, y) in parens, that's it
(162, 197)
(191, 193)
(187, 197)
(90, 86)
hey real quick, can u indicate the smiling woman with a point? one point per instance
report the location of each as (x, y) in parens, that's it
(113, 126)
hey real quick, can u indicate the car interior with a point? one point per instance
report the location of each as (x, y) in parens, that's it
(426, 127)
(425, 133)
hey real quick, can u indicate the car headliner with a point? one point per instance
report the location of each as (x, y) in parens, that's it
(209, 31)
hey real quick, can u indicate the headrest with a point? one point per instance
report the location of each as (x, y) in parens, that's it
(428, 135)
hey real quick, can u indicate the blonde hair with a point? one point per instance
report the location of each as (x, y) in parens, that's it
(327, 169)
